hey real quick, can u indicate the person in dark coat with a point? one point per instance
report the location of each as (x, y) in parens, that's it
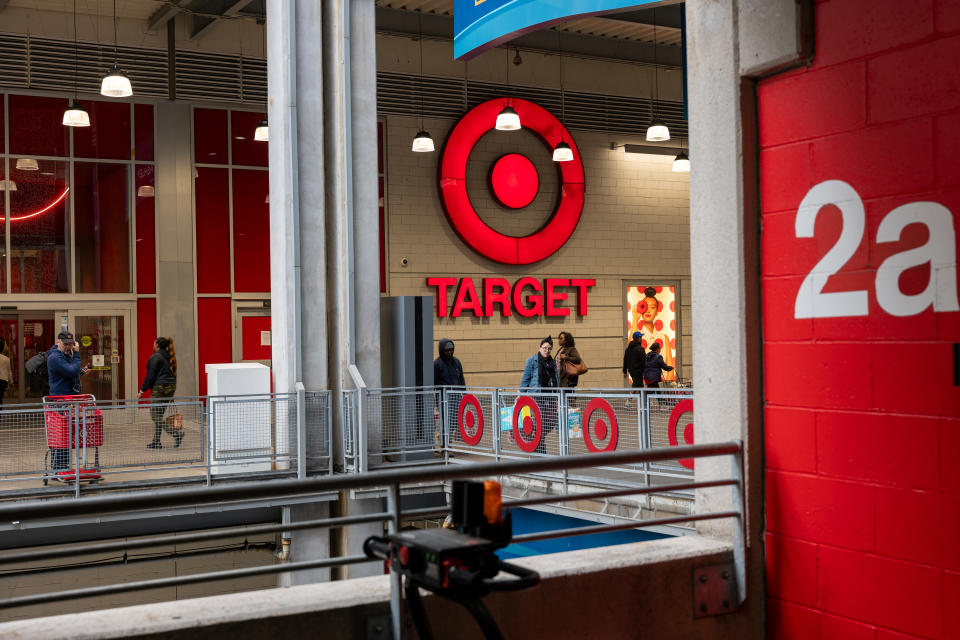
(63, 371)
(447, 370)
(161, 381)
(635, 360)
(655, 364)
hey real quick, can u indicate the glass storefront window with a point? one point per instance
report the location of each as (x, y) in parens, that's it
(3, 225)
(143, 131)
(108, 136)
(39, 226)
(146, 243)
(210, 136)
(251, 226)
(102, 222)
(35, 126)
(246, 150)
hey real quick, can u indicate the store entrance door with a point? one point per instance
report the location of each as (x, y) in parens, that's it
(102, 336)
(26, 333)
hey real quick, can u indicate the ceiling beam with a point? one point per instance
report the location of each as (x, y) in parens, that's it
(202, 25)
(160, 17)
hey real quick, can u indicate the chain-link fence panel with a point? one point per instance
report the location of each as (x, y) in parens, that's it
(670, 420)
(24, 448)
(244, 433)
(470, 420)
(530, 423)
(317, 417)
(407, 418)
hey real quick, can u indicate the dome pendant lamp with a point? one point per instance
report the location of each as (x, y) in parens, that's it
(657, 131)
(422, 142)
(116, 84)
(508, 119)
(681, 164)
(262, 132)
(75, 115)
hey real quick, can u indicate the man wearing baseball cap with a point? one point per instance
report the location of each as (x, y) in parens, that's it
(64, 371)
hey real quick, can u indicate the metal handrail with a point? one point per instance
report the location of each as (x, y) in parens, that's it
(392, 479)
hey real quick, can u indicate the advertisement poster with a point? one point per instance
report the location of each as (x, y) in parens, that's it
(651, 310)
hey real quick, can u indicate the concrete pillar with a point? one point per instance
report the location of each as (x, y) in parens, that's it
(324, 216)
(174, 225)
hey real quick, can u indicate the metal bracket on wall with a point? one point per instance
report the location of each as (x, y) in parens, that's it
(379, 628)
(714, 590)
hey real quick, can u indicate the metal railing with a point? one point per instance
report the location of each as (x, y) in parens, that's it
(457, 425)
(23, 514)
(187, 437)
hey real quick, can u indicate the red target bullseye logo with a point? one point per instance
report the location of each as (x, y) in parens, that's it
(470, 421)
(528, 425)
(600, 428)
(682, 407)
(514, 186)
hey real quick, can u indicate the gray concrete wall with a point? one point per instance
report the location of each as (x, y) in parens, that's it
(637, 590)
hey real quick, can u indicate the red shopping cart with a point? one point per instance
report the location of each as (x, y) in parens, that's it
(72, 422)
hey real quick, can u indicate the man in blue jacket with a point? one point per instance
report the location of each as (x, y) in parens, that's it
(64, 370)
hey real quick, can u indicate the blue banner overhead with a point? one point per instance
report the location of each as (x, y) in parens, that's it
(481, 24)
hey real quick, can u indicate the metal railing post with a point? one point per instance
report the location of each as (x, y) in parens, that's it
(81, 424)
(564, 436)
(362, 454)
(739, 527)
(393, 525)
(210, 442)
(329, 413)
(301, 430)
(497, 405)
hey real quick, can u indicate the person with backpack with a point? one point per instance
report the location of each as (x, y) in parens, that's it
(161, 381)
(63, 371)
(655, 364)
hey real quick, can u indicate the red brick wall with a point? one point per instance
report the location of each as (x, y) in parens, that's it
(862, 431)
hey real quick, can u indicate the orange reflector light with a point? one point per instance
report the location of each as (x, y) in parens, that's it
(492, 502)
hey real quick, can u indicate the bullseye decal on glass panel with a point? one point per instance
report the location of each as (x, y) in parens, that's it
(600, 428)
(476, 233)
(673, 425)
(470, 419)
(528, 425)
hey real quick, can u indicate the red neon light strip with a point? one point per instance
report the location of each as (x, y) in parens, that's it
(39, 212)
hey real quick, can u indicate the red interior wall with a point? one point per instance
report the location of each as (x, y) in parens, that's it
(146, 334)
(862, 422)
(214, 340)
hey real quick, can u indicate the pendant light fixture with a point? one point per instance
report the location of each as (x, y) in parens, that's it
(422, 142)
(657, 131)
(75, 115)
(27, 164)
(681, 164)
(116, 84)
(562, 152)
(508, 119)
(8, 185)
(146, 191)
(262, 132)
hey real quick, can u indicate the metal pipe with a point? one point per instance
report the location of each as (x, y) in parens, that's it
(175, 581)
(105, 547)
(603, 528)
(24, 511)
(613, 494)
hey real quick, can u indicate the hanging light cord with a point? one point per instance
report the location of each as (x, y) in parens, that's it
(76, 51)
(656, 65)
(563, 105)
(420, 39)
(116, 51)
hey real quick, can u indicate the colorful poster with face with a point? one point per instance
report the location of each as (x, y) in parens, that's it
(652, 311)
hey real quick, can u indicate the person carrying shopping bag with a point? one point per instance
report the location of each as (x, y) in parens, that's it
(161, 381)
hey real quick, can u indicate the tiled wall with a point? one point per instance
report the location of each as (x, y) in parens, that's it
(634, 230)
(862, 417)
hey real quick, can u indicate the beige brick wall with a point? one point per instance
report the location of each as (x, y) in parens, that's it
(635, 229)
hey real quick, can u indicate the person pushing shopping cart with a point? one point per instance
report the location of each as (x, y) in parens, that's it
(64, 370)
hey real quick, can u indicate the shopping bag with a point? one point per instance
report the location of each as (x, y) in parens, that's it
(175, 421)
